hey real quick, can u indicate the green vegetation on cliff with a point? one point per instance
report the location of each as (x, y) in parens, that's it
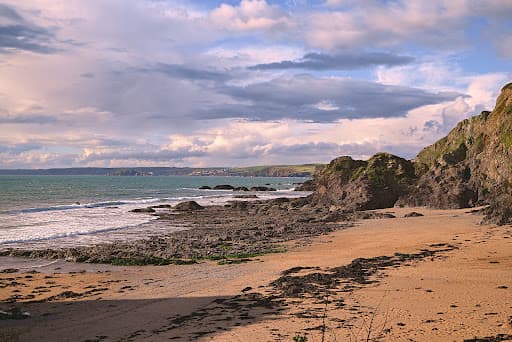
(305, 170)
(453, 147)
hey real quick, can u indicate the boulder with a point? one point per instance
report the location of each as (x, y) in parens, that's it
(413, 214)
(262, 188)
(245, 196)
(500, 211)
(188, 206)
(223, 187)
(205, 187)
(308, 185)
(143, 210)
(279, 200)
(241, 188)
(9, 270)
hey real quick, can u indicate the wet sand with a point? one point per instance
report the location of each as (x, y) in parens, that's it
(438, 277)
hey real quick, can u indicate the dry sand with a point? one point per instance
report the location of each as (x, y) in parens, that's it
(459, 289)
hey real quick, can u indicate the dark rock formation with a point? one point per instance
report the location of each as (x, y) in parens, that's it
(364, 185)
(161, 206)
(187, 206)
(241, 188)
(500, 210)
(308, 185)
(143, 210)
(413, 214)
(245, 196)
(367, 215)
(205, 187)
(262, 188)
(223, 187)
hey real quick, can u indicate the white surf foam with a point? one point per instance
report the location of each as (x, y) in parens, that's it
(88, 223)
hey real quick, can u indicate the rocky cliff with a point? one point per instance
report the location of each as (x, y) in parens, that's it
(363, 185)
(472, 165)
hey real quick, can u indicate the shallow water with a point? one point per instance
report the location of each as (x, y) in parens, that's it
(58, 211)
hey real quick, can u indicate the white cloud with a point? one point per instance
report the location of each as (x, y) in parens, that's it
(251, 55)
(434, 72)
(251, 15)
(326, 105)
(434, 23)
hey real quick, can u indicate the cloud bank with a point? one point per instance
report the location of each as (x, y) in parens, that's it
(194, 83)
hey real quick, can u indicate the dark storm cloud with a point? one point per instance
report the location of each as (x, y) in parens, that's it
(28, 119)
(320, 61)
(314, 99)
(18, 34)
(186, 72)
(9, 13)
(28, 38)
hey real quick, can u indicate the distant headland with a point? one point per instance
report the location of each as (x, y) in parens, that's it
(303, 170)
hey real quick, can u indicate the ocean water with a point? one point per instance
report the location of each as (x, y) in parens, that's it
(63, 211)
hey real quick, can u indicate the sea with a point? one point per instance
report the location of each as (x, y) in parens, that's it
(67, 211)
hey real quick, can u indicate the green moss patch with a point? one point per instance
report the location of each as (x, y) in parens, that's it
(143, 261)
(506, 140)
(238, 258)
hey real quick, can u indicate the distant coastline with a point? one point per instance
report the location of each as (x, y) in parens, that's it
(304, 170)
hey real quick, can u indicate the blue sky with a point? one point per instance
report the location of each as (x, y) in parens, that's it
(232, 83)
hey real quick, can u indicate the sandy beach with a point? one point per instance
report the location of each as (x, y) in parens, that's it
(437, 277)
(255, 170)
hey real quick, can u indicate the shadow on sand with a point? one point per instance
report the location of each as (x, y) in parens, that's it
(180, 319)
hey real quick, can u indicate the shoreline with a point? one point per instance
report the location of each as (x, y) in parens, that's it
(233, 231)
(107, 221)
(446, 261)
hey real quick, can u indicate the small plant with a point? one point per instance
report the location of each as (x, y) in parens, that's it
(300, 338)
(370, 329)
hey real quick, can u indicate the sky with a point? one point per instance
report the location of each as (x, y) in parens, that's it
(119, 83)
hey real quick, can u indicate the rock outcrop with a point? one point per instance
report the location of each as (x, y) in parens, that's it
(188, 206)
(223, 187)
(143, 210)
(308, 185)
(364, 185)
(262, 188)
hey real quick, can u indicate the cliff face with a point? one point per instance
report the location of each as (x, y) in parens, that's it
(472, 165)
